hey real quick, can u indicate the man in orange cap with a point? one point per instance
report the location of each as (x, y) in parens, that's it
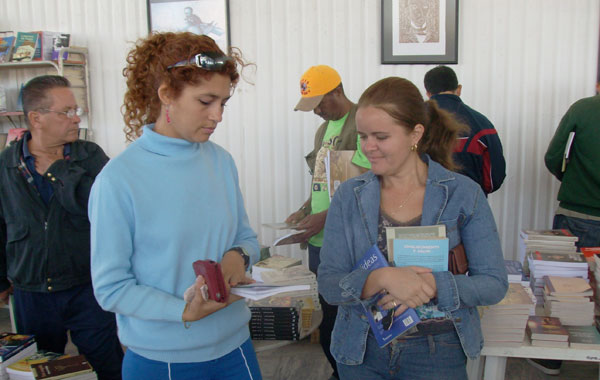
(322, 92)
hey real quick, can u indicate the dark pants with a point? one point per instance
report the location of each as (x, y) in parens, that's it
(588, 231)
(49, 316)
(329, 311)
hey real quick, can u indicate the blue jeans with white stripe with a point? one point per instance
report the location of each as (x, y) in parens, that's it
(239, 364)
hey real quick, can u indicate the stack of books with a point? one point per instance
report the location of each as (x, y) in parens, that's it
(295, 275)
(275, 319)
(547, 332)
(504, 324)
(584, 337)
(71, 368)
(554, 264)
(551, 241)
(14, 347)
(569, 298)
(273, 263)
(592, 255)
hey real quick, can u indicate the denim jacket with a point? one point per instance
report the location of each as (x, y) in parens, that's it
(351, 229)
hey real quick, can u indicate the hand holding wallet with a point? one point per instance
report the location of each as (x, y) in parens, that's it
(213, 276)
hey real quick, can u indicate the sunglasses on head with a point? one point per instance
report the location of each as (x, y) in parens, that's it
(210, 61)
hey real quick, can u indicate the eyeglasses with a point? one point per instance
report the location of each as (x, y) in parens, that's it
(210, 61)
(70, 113)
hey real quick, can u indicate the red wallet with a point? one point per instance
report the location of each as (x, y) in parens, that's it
(213, 276)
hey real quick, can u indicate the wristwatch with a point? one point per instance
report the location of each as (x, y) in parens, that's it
(244, 255)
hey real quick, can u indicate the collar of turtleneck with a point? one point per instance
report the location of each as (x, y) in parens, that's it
(164, 145)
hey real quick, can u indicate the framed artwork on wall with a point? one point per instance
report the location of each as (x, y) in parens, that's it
(209, 17)
(419, 31)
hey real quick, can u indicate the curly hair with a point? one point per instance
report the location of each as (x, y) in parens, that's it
(146, 71)
(401, 99)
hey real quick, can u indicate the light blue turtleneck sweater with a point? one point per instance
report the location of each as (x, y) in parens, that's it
(154, 209)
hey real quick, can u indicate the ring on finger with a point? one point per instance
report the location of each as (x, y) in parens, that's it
(394, 303)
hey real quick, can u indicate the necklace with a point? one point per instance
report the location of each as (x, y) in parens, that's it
(406, 199)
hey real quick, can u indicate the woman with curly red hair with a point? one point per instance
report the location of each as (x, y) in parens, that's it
(171, 198)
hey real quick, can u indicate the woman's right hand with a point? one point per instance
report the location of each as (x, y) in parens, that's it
(198, 307)
(405, 288)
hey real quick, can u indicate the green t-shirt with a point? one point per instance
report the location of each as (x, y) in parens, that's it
(320, 192)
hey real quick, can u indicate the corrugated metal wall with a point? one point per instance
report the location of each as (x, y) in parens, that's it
(521, 63)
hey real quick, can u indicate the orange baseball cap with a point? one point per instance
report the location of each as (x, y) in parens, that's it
(314, 84)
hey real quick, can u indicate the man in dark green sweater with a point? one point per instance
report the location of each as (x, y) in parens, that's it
(579, 194)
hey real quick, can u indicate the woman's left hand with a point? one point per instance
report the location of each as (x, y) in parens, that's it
(234, 270)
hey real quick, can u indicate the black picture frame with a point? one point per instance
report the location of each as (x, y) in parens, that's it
(210, 17)
(434, 41)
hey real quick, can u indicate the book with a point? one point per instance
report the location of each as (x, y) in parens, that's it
(61, 368)
(43, 49)
(11, 344)
(290, 238)
(22, 368)
(514, 269)
(339, 168)
(585, 337)
(567, 286)
(546, 328)
(59, 41)
(260, 290)
(25, 45)
(573, 260)
(6, 47)
(430, 253)
(567, 152)
(412, 232)
(274, 262)
(385, 326)
(549, 235)
(280, 225)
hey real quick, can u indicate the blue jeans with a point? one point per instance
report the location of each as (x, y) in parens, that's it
(427, 357)
(239, 364)
(588, 231)
(329, 311)
(94, 331)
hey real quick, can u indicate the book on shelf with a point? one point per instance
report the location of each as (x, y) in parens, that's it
(24, 48)
(6, 47)
(574, 260)
(273, 263)
(584, 337)
(43, 49)
(385, 326)
(413, 232)
(59, 41)
(61, 368)
(546, 328)
(11, 344)
(339, 168)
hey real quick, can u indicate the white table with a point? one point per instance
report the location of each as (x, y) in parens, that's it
(494, 358)
(264, 345)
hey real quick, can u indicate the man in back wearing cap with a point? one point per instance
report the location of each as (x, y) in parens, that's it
(322, 92)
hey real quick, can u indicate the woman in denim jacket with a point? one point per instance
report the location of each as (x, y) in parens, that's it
(409, 144)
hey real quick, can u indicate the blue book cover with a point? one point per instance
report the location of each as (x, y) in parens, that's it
(429, 253)
(384, 325)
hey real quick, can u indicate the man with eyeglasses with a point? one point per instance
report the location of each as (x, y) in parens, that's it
(45, 181)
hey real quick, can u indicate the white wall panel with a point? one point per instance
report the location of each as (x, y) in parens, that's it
(521, 63)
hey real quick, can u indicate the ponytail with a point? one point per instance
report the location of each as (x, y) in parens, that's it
(439, 138)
